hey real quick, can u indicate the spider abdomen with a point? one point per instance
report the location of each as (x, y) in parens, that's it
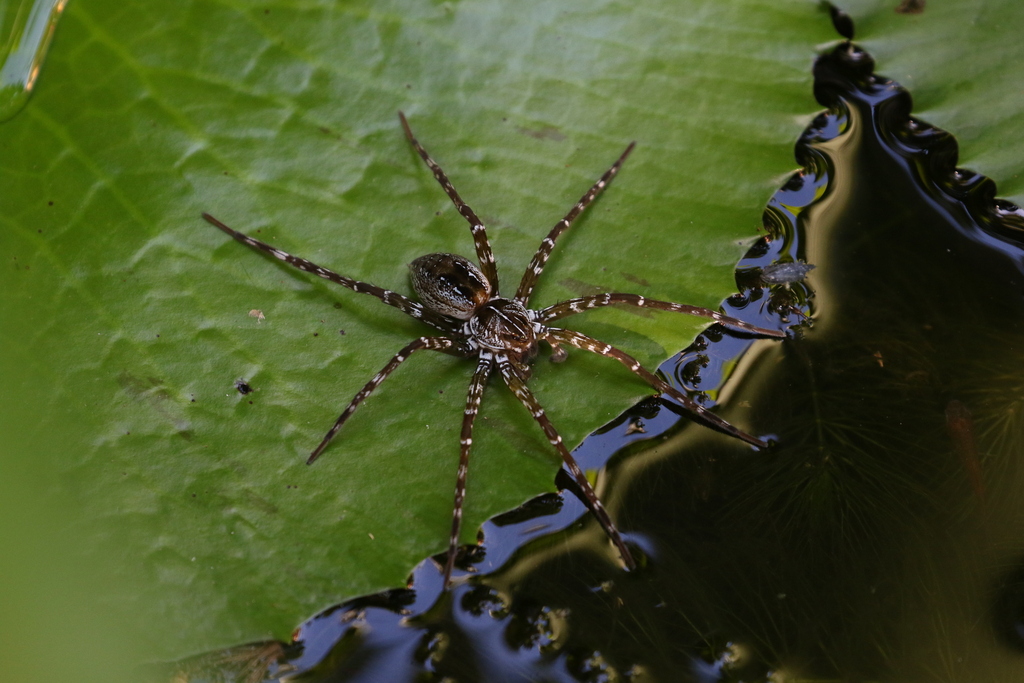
(450, 284)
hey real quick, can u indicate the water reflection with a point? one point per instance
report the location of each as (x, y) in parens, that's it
(26, 29)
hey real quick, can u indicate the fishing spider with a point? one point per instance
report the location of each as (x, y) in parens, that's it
(462, 301)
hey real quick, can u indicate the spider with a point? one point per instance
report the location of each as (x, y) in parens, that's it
(462, 300)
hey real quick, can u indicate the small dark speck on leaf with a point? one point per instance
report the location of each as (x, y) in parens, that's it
(341, 332)
(316, 334)
(243, 387)
(50, 202)
(193, 495)
(580, 288)
(910, 7)
(543, 133)
(637, 280)
(337, 305)
(250, 402)
(440, 391)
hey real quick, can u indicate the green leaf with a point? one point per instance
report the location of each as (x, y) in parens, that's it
(957, 58)
(126, 318)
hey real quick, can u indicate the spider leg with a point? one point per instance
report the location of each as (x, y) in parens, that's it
(404, 304)
(429, 343)
(526, 397)
(476, 392)
(574, 306)
(586, 343)
(536, 266)
(483, 246)
(558, 353)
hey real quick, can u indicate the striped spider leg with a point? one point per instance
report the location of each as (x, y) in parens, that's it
(402, 303)
(556, 336)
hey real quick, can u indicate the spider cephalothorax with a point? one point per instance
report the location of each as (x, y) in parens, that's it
(462, 300)
(505, 327)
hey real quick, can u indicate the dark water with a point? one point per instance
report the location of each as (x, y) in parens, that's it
(881, 537)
